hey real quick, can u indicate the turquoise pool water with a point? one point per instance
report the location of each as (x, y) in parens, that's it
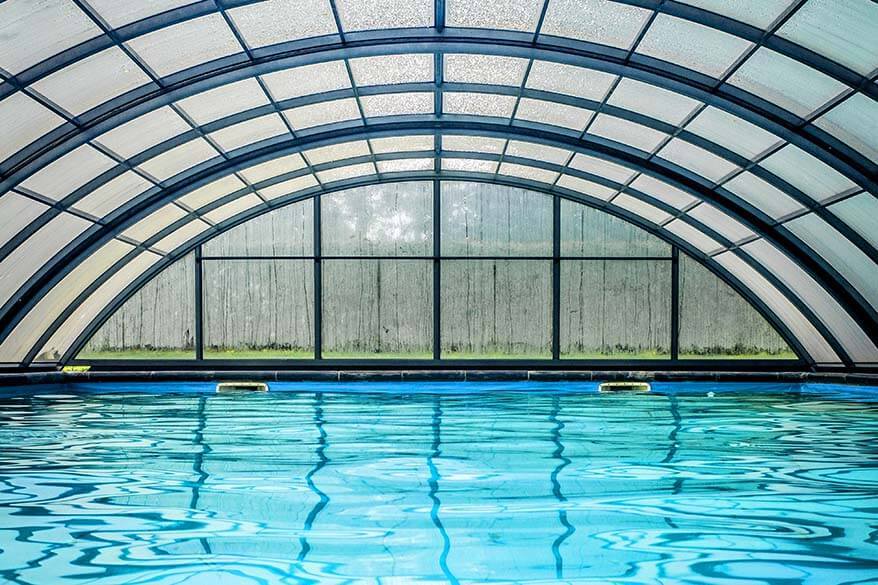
(433, 483)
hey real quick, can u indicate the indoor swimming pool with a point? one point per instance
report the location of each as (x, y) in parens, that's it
(439, 483)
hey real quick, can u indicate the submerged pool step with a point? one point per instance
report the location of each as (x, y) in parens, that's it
(242, 387)
(624, 387)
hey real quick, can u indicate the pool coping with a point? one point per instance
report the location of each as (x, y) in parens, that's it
(61, 377)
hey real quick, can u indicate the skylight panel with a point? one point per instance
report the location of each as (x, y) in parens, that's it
(357, 15)
(73, 170)
(113, 194)
(273, 168)
(478, 104)
(24, 120)
(323, 113)
(595, 21)
(626, 132)
(181, 158)
(397, 104)
(144, 132)
(249, 132)
(487, 69)
(516, 15)
(652, 101)
(277, 21)
(730, 131)
(212, 192)
(553, 113)
(224, 101)
(389, 69)
(569, 80)
(697, 160)
(307, 80)
(118, 13)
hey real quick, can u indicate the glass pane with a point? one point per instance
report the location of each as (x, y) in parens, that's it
(528, 172)
(154, 223)
(289, 187)
(23, 120)
(469, 165)
(663, 192)
(276, 21)
(118, 13)
(595, 21)
(16, 212)
(73, 170)
(181, 235)
(233, 208)
(586, 187)
(520, 15)
(287, 231)
(323, 113)
(536, 151)
(335, 152)
(212, 192)
(388, 69)
(144, 132)
(395, 219)
(113, 194)
(615, 309)
(377, 308)
(224, 101)
(249, 132)
(814, 178)
(496, 309)
(720, 222)
(760, 14)
(406, 165)
(552, 113)
(478, 104)
(349, 172)
(652, 101)
(473, 144)
(697, 160)
(480, 219)
(92, 81)
(273, 168)
(861, 213)
(625, 132)
(692, 235)
(186, 44)
(769, 199)
(489, 69)
(641, 208)
(179, 159)
(785, 82)
(692, 45)
(397, 104)
(855, 122)
(586, 231)
(383, 14)
(732, 132)
(602, 168)
(570, 80)
(401, 144)
(716, 322)
(157, 322)
(258, 309)
(307, 80)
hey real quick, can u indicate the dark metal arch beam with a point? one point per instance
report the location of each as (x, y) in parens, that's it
(129, 291)
(75, 254)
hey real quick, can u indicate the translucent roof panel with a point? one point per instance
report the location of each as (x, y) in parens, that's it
(861, 213)
(238, 135)
(212, 192)
(20, 48)
(336, 152)
(119, 14)
(92, 81)
(179, 159)
(627, 132)
(692, 235)
(517, 15)
(144, 132)
(16, 212)
(553, 114)
(307, 80)
(406, 165)
(473, 144)
(277, 21)
(569, 80)
(732, 132)
(23, 120)
(401, 144)
(356, 15)
(348, 172)
(595, 21)
(641, 208)
(397, 104)
(602, 168)
(721, 223)
(528, 172)
(181, 235)
(585, 187)
(663, 192)
(760, 14)
(320, 114)
(691, 45)
(384, 70)
(113, 194)
(803, 171)
(289, 187)
(762, 195)
(187, 44)
(478, 104)
(71, 171)
(696, 159)
(489, 69)
(469, 165)
(224, 101)
(154, 223)
(233, 208)
(652, 101)
(273, 168)
(536, 151)
(855, 122)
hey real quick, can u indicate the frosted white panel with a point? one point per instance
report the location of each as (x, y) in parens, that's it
(765, 197)
(721, 223)
(663, 192)
(519, 15)
(570, 80)
(387, 69)
(119, 13)
(817, 347)
(491, 69)
(20, 48)
(553, 113)
(289, 187)
(692, 45)
(273, 168)
(528, 172)
(478, 104)
(307, 80)
(65, 175)
(585, 187)
(759, 13)
(92, 81)
(696, 159)
(536, 151)
(473, 144)
(595, 21)
(244, 133)
(179, 159)
(358, 15)
(276, 21)
(641, 208)
(652, 101)
(397, 104)
(343, 110)
(401, 144)
(233, 208)
(813, 177)
(405, 165)
(65, 335)
(855, 122)
(843, 327)
(23, 120)
(602, 168)
(212, 191)
(861, 213)
(224, 101)
(630, 133)
(785, 82)
(112, 194)
(144, 132)
(730, 131)
(154, 223)
(469, 165)
(16, 212)
(349, 172)
(692, 235)
(29, 330)
(30, 256)
(186, 44)
(335, 152)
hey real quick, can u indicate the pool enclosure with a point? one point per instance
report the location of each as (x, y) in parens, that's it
(552, 183)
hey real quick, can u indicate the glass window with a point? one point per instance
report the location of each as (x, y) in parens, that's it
(377, 308)
(785, 82)
(520, 15)
(224, 101)
(113, 194)
(765, 197)
(397, 104)
(118, 13)
(307, 80)
(843, 31)
(70, 172)
(628, 133)
(586, 231)
(491, 69)
(19, 19)
(276, 21)
(16, 212)
(585, 187)
(389, 69)
(552, 113)
(628, 315)
(855, 122)
(186, 44)
(144, 132)
(692, 45)
(717, 323)
(569, 80)
(861, 213)
(211, 192)
(157, 322)
(23, 120)
(494, 220)
(595, 21)
(697, 160)
(286, 231)
(401, 144)
(273, 168)
(813, 177)
(602, 168)
(394, 219)
(760, 14)
(289, 187)
(496, 309)
(732, 132)
(244, 133)
(319, 114)
(478, 104)
(661, 104)
(258, 309)
(81, 86)
(180, 158)
(358, 15)
(233, 208)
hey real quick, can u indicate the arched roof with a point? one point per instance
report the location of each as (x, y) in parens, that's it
(746, 133)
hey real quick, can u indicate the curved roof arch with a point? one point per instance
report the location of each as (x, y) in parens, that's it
(749, 127)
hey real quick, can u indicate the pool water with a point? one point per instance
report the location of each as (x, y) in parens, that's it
(433, 483)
